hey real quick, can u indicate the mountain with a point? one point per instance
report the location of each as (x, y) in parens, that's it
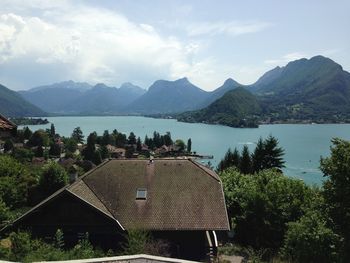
(316, 88)
(228, 85)
(237, 108)
(102, 99)
(53, 98)
(70, 97)
(13, 105)
(169, 97)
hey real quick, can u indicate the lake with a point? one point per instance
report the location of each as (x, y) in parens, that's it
(304, 144)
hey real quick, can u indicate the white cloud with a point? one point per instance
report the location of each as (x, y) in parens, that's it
(286, 58)
(50, 41)
(232, 28)
(96, 44)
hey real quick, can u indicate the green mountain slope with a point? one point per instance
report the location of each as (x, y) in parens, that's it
(237, 108)
(13, 105)
(317, 89)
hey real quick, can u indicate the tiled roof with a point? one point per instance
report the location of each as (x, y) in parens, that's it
(6, 124)
(181, 195)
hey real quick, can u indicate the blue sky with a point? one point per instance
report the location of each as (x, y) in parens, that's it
(44, 41)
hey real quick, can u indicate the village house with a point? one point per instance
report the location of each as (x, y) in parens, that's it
(7, 128)
(177, 200)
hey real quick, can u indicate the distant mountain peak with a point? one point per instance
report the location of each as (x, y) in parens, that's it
(230, 81)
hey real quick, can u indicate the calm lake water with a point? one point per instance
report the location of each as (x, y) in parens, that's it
(303, 144)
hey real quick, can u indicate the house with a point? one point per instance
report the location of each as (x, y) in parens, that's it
(116, 152)
(177, 200)
(7, 128)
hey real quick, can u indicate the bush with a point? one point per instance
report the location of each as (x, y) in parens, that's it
(260, 205)
(310, 240)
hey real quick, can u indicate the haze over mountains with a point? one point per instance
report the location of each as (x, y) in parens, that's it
(316, 88)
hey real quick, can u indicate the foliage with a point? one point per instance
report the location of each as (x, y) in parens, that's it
(70, 145)
(236, 108)
(132, 138)
(24, 248)
(4, 213)
(15, 182)
(136, 241)
(53, 177)
(189, 145)
(77, 135)
(266, 155)
(22, 154)
(55, 149)
(245, 163)
(39, 138)
(8, 146)
(310, 240)
(336, 191)
(181, 144)
(139, 241)
(259, 206)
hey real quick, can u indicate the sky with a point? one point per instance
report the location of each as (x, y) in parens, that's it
(141, 41)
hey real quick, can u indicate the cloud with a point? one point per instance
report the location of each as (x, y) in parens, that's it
(97, 45)
(231, 28)
(286, 58)
(49, 41)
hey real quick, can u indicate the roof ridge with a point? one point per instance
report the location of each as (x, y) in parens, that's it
(102, 203)
(94, 205)
(205, 169)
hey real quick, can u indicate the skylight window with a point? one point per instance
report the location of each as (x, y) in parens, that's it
(141, 194)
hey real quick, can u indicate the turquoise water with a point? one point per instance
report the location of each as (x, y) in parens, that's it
(303, 144)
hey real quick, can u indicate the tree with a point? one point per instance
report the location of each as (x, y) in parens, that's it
(230, 159)
(104, 152)
(189, 145)
(39, 152)
(167, 139)
(27, 133)
(39, 138)
(260, 206)
(132, 138)
(15, 182)
(336, 169)
(245, 164)
(310, 240)
(180, 144)
(138, 144)
(77, 135)
(273, 155)
(258, 156)
(90, 148)
(105, 138)
(52, 177)
(8, 146)
(52, 131)
(70, 144)
(55, 149)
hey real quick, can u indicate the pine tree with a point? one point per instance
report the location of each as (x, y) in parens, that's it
(77, 135)
(138, 144)
(189, 145)
(273, 157)
(235, 158)
(258, 156)
(52, 131)
(245, 165)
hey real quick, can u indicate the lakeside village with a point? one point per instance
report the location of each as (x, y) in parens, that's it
(63, 199)
(43, 145)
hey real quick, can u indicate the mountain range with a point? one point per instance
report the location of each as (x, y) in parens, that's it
(315, 89)
(12, 104)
